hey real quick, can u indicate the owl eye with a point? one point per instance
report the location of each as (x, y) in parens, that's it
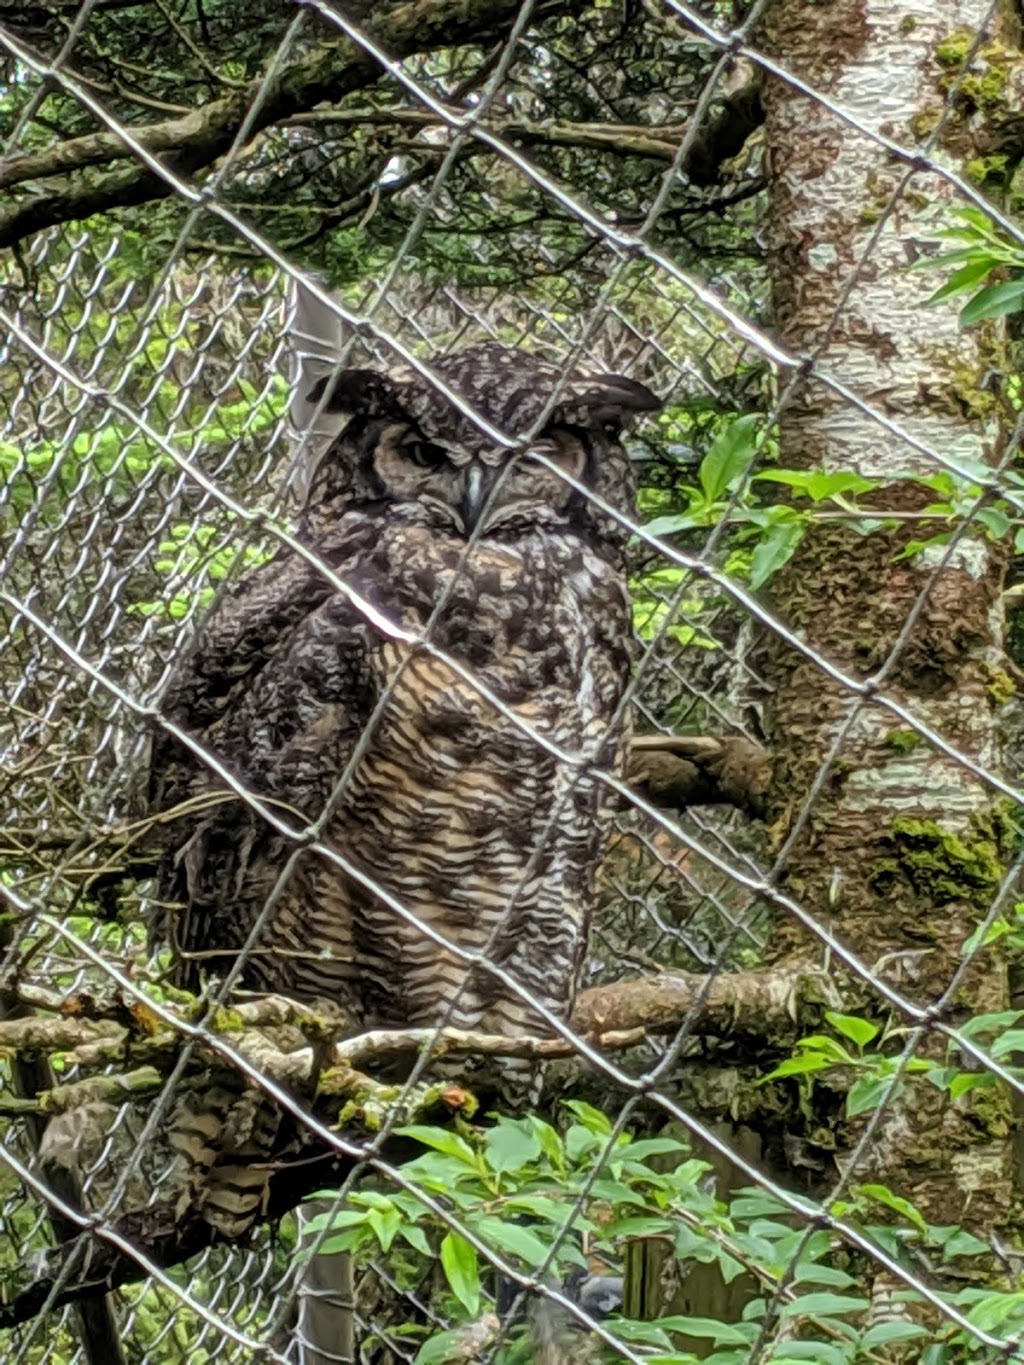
(423, 453)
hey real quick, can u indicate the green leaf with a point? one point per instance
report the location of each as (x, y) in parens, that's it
(881, 1194)
(441, 1140)
(343, 1241)
(868, 1093)
(440, 1173)
(887, 1333)
(590, 1117)
(997, 1310)
(809, 1273)
(549, 1207)
(417, 1239)
(681, 521)
(937, 1355)
(860, 1031)
(963, 1243)
(649, 1226)
(646, 1333)
(965, 278)
(656, 1146)
(438, 1350)
(510, 1146)
(691, 1245)
(824, 1305)
(580, 1142)
(819, 484)
(510, 1238)
(676, 1359)
(799, 1066)
(549, 1139)
(1010, 1041)
(459, 1262)
(990, 1023)
(750, 1202)
(729, 456)
(994, 520)
(823, 1352)
(340, 1218)
(720, 1332)
(994, 302)
(615, 1192)
(774, 549)
(965, 1081)
(372, 1199)
(728, 1266)
(385, 1224)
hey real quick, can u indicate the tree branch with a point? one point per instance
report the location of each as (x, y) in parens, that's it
(327, 1079)
(679, 771)
(610, 1017)
(751, 1003)
(334, 69)
(193, 141)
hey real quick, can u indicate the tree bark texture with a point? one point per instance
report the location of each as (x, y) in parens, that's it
(893, 845)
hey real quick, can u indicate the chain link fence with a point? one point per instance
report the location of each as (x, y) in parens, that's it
(156, 443)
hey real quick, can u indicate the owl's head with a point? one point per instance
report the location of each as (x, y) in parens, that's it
(404, 442)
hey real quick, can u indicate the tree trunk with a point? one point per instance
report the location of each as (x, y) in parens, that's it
(895, 847)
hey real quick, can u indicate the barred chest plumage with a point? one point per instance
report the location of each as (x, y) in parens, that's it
(476, 808)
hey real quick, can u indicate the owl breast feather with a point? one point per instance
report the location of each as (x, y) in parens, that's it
(479, 809)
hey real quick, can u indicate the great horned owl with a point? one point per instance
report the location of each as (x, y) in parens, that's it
(439, 796)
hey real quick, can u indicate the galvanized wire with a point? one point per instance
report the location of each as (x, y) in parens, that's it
(111, 541)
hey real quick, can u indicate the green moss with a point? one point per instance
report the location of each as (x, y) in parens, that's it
(923, 124)
(1001, 687)
(963, 393)
(907, 24)
(984, 83)
(964, 386)
(991, 1110)
(227, 1020)
(988, 170)
(943, 867)
(988, 88)
(903, 741)
(916, 200)
(954, 48)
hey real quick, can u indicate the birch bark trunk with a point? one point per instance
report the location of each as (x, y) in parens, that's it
(902, 851)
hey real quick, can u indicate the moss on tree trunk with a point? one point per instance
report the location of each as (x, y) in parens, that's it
(895, 846)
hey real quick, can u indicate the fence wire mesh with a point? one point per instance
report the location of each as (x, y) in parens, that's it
(418, 179)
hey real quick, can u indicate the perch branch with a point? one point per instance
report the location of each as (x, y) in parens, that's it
(323, 1071)
(731, 1004)
(678, 771)
(611, 1017)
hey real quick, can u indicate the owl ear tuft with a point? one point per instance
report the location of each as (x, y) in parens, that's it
(360, 393)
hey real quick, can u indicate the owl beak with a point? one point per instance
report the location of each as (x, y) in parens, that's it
(476, 495)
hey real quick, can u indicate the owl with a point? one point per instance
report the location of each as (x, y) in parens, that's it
(440, 727)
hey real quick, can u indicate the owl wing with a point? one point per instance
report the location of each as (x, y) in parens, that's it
(276, 689)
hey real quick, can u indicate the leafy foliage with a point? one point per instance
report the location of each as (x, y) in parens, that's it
(526, 1197)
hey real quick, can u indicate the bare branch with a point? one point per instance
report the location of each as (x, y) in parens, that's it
(335, 69)
(731, 1003)
(612, 1017)
(193, 142)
